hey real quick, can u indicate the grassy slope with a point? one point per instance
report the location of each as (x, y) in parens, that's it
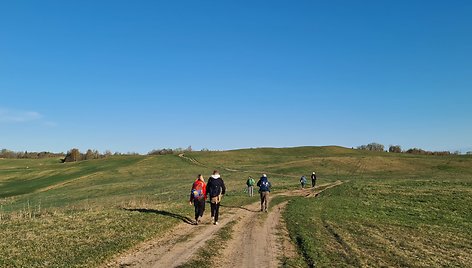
(72, 214)
(399, 217)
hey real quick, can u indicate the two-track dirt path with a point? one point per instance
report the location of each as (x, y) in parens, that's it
(259, 239)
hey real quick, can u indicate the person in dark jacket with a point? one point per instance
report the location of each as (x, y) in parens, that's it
(264, 190)
(215, 189)
(313, 179)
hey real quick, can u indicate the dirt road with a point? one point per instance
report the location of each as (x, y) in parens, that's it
(259, 239)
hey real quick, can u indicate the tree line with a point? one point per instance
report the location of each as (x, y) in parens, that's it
(5, 153)
(74, 155)
(71, 155)
(165, 151)
(376, 147)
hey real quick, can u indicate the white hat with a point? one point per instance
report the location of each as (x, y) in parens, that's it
(264, 175)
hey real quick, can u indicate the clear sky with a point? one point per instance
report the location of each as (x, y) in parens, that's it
(132, 76)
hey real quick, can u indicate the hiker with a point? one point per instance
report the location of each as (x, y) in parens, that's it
(303, 181)
(264, 190)
(198, 197)
(250, 186)
(313, 179)
(215, 189)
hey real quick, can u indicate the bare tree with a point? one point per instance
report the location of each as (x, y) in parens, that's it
(89, 155)
(73, 155)
(372, 147)
(395, 149)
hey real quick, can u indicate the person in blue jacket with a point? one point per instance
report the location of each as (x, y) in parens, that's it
(264, 190)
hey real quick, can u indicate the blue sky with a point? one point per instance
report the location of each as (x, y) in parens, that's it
(132, 76)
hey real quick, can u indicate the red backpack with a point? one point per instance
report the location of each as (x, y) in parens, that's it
(197, 190)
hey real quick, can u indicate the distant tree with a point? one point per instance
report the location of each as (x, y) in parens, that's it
(89, 155)
(469, 153)
(362, 147)
(154, 152)
(189, 148)
(424, 152)
(457, 152)
(20, 155)
(395, 149)
(440, 153)
(8, 154)
(108, 153)
(73, 155)
(372, 147)
(204, 150)
(415, 151)
(161, 151)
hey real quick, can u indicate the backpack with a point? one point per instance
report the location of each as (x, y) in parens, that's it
(213, 188)
(265, 185)
(250, 182)
(197, 191)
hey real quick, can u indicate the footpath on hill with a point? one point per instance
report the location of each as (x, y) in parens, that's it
(258, 239)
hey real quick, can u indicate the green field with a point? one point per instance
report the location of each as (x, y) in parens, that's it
(392, 210)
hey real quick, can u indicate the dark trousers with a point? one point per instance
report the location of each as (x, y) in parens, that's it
(199, 207)
(313, 182)
(215, 209)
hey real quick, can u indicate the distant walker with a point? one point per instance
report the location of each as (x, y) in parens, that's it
(313, 179)
(250, 186)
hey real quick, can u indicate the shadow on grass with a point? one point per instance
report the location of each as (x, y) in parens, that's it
(163, 213)
(240, 207)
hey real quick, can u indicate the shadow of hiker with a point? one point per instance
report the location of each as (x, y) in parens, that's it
(240, 207)
(163, 213)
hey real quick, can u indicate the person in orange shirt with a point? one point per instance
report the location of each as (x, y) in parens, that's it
(198, 197)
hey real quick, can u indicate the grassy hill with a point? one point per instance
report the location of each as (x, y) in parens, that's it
(395, 209)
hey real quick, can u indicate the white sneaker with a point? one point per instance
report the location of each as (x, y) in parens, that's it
(216, 223)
